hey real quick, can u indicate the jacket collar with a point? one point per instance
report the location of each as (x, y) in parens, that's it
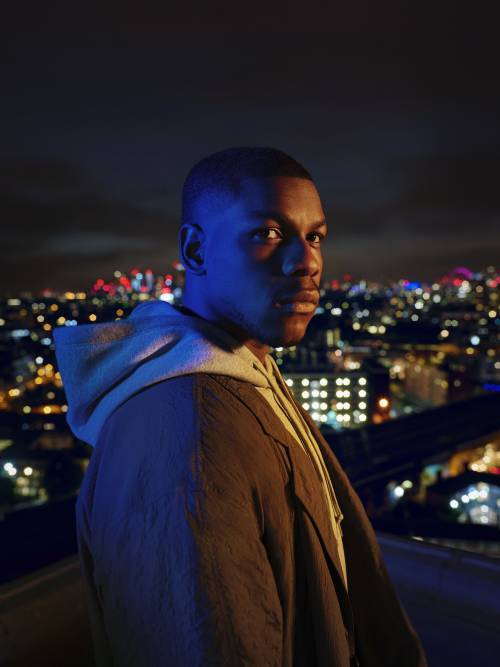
(302, 478)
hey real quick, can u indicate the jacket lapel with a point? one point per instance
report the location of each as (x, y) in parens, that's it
(305, 476)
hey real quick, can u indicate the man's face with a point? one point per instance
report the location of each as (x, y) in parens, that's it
(261, 251)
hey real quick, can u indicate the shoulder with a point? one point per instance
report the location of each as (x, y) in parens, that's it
(184, 396)
(190, 432)
(208, 419)
(184, 413)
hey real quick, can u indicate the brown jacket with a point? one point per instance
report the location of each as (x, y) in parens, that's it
(204, 540)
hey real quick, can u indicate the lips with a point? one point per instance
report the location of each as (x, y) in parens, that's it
(302, 307)
(305, 296)
(304, 302)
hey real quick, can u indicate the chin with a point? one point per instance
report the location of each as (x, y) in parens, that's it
(289, 335)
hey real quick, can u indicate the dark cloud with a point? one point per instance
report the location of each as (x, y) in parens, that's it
(43, 202)
(64, 228)
(441, 195)
(464, 183)
(138, 22)
(394, 108)
(43, 178)
(423, 257)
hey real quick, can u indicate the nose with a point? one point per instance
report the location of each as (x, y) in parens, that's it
(301, 259)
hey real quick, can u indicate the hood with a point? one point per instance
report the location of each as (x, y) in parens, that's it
(102, 365)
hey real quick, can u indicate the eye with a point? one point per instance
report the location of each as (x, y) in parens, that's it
(274, 233)
(264, 232)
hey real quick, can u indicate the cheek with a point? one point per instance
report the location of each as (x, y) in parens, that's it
(262, 254)
(253, 264)
(230, 279)
(239, 271)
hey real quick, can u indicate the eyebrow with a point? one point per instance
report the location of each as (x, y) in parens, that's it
(283, 219)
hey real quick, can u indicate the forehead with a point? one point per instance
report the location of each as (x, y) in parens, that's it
(297, 198)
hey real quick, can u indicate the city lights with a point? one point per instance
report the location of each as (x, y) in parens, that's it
(356, 372)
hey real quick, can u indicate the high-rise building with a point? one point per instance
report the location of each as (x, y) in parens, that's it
(340, 400)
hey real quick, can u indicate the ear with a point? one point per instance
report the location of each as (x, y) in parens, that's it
(191, 246)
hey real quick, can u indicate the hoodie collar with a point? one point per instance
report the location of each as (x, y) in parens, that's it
(102, 365)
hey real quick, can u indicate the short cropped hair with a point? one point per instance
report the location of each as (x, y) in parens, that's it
(216, 178)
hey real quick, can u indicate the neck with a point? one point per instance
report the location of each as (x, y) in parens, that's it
(258, 348)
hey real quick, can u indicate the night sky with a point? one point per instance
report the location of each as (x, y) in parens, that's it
(395, 114)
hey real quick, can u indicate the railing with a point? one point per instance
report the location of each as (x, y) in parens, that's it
(451, 596)
(43, 619)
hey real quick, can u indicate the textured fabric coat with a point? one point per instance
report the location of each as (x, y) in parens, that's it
(204, 540)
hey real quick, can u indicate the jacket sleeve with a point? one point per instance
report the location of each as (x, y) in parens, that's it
(190, 582)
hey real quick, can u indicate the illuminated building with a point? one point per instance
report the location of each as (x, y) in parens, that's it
(427, 382)
(474, 496)
(338, 401)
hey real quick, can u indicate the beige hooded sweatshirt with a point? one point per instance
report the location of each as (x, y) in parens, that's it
(103, 364)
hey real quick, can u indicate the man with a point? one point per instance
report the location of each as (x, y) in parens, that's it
(215, 526)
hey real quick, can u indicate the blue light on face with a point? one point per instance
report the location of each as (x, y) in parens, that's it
(412, 286)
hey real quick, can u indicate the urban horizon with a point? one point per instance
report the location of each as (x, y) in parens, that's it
(457, 273)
